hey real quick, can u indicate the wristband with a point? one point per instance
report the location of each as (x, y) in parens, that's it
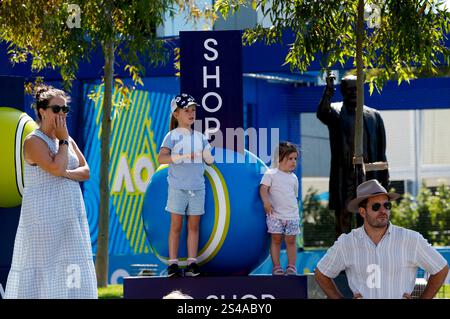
(63, 142)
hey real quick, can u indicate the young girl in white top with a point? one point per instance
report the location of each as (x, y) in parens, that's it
(186, 151)
(279, 193)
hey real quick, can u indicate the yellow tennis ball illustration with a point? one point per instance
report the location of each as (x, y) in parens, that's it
(15, 125)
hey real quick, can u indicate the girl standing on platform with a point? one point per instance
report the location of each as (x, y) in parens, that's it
(279, 194)
(186, 151)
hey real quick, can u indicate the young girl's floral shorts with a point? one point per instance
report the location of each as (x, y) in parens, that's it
(283, 226)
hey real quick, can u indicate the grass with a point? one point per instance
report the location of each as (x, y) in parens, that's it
(111, 292)
(444, 292)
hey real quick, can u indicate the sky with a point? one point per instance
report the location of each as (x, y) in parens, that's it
(447, 4)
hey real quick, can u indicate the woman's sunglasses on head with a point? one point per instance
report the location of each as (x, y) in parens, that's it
(57, 108)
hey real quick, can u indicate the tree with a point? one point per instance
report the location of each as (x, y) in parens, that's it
(60, 34)
(402, 37)
(428, 213)
(318, 221)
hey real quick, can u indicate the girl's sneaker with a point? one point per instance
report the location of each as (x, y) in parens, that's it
(173, 271)
(291, 270)
(277, 271)
(192, 270)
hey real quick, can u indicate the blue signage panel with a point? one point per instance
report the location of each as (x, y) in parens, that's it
(12, 91)
(11, 95)
(9, 219)
(232, 287)
(211, 71)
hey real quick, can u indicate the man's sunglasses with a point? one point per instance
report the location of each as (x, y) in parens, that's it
(376, 207)
(57, 108)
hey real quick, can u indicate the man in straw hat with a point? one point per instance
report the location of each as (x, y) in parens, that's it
(380, 259)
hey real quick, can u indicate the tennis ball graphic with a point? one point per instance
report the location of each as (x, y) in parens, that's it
(15, 125)
(233, 233)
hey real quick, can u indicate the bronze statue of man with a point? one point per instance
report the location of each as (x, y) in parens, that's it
(340, 120)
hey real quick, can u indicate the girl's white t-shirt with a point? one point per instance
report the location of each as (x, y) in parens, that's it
(283, 193)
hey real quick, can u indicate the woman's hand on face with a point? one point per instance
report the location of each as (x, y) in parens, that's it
(61, 127)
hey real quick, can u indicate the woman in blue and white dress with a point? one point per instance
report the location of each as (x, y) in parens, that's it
(52, 251)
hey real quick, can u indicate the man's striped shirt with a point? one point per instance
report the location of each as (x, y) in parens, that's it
(383, 271)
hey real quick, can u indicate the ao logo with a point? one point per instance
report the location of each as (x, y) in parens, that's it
(233, 237)
(137, 179)
(15, 125)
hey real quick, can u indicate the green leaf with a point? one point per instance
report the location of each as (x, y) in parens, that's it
(406, 36)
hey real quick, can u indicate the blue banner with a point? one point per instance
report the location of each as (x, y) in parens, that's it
(211, 71)
(229, 287)
(11, 91)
